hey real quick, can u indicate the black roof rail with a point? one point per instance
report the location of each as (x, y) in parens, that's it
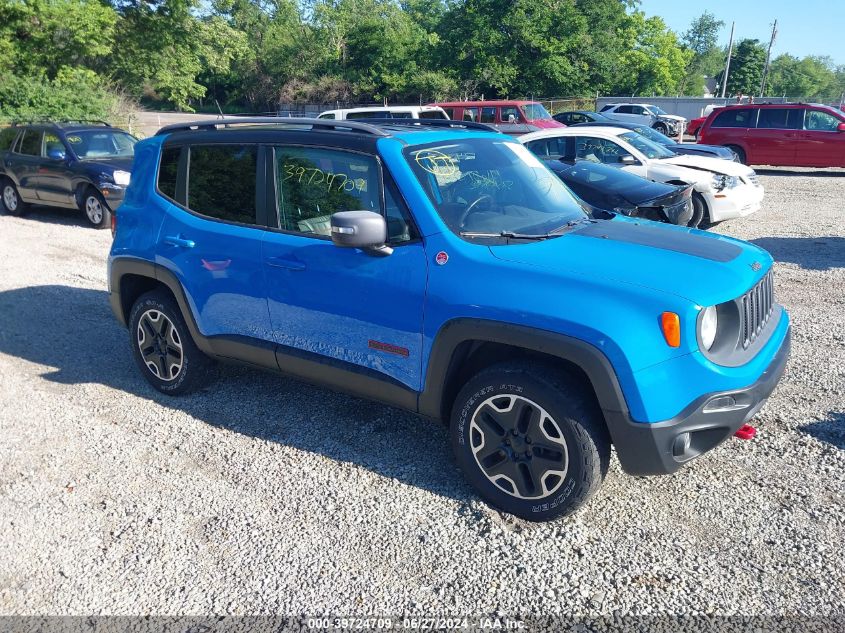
(331, 124)
(447, 123)
(60, 122)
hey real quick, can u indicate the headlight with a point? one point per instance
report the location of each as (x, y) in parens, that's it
(707, 326)
(724, 182)
(121, 177)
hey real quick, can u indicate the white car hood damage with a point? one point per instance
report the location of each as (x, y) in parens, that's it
(695, 168)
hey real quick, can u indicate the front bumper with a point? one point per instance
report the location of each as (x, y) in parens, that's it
(736, 202)
(112, 194)
(663, 447)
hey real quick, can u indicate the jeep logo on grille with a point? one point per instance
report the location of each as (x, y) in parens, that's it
(756, 266)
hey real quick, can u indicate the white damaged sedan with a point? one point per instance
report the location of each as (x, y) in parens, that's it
(722, 189)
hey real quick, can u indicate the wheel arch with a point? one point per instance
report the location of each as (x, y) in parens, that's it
(130, 278)
(464, 347)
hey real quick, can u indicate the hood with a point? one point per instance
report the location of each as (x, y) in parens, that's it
(545, 124)
(109, 164)
(707, 163)
(704, 150)
(670, 117)
(704, 268)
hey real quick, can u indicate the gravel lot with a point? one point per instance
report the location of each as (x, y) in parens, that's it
(265, 495)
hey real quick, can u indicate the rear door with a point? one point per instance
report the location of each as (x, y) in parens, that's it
(775, 139)
(55, 176)
(343, 305)
(23, 162)
(820, 144)
(211, 236)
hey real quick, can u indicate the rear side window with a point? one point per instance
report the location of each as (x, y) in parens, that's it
(488, 115)
(31, 143)
(781, 118)
(221, 182)
(508, 112)
(735, 118)
(625, 109)
(7, 137)
(168, 169)
(606, 108)
(316, 182)
(450, 112)
(373, 114)
(470, 114)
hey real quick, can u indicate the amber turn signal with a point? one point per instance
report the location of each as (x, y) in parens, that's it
(670, 323)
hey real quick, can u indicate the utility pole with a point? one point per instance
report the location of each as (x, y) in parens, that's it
(768, 57)
(728, 62)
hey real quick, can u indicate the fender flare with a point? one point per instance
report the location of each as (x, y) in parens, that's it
(586, 356)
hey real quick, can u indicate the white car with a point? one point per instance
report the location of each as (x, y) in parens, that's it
(386, 112)
(722, 189)
(646, 114)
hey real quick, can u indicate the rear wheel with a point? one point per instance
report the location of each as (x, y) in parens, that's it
(740, 153)
(529, 441)
(163, 348)
(96, 209)
(12, 203)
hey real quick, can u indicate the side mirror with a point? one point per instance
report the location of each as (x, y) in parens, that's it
(56, 154)
(360, 229)
(840, 127)
(627, 159)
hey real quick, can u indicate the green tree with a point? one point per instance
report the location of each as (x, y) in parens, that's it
(812, 78)
(707, 57)
(655, 62)
(746, 70)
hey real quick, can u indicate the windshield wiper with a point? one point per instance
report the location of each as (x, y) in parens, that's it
(509, 234)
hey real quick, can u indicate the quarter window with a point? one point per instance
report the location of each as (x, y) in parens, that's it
(31, 143)
(315, 182)
(821, 121)
(735, 118)
(221, 182)
(167, 171)
(7, 137)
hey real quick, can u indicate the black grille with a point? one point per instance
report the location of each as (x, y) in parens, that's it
(757, 305)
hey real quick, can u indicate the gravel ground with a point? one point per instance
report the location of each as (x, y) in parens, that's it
(264, 495)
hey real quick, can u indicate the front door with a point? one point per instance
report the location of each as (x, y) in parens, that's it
(214, 247)
(820, 144)
(344, 305)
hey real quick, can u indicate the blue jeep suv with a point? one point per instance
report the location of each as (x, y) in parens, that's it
(441, 268)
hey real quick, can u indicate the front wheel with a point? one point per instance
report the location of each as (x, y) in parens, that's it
(96, 209)
(661, 127)
(700, 216)
(528, 440)
(12, 203)
(163, 348)
(740, 153)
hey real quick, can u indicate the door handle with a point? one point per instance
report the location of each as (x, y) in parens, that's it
(281, 262)
(179, 241)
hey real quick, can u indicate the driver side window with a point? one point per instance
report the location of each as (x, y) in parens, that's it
(314, 183)
(821, 121)
(598, 150)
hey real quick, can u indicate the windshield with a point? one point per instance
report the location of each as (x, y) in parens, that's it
(102, 144)
(653, 135)
(647, 147)
(483, 185)
(535, 111)
(657, 109)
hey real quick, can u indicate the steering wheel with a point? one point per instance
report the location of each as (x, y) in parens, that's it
(471, 207)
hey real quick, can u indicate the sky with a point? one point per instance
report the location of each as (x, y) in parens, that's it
(805, 27)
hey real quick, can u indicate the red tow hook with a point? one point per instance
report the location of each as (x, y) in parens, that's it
(746, 432)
